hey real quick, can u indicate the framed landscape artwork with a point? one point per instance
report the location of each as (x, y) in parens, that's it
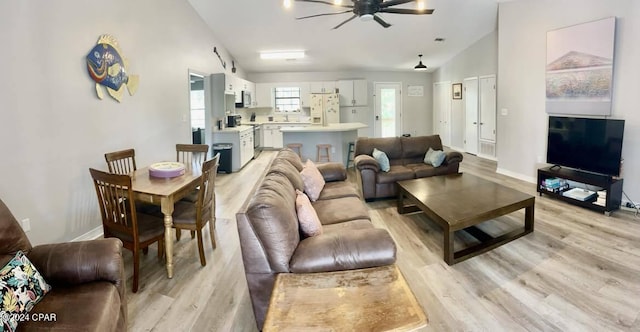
(579, 71)
(457, 90)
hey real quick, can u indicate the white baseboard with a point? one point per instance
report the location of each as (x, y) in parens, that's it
(486, 156)
(457, 149)
(516, 175)
(93, 234)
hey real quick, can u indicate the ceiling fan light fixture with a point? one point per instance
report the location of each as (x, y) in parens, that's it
(337, 2)
(420, 66)
(280, 55)
(366, 17)
(286, 3)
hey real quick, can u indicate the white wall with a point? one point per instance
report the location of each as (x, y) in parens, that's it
(52, 124)
(521, 79)
(417, 111)
(479, 59)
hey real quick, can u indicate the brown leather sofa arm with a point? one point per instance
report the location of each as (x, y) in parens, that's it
(74, 263)
(344, 251)
(453, 157)
(332, 171)
(364, 161)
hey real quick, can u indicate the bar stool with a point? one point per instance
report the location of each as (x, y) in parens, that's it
(297, 147)
(350, 151)
(323, 152)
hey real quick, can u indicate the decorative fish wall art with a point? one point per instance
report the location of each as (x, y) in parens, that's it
(107, 67)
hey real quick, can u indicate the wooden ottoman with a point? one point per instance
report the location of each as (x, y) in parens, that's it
(374, 299)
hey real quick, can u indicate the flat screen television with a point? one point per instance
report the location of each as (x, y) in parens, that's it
(593, 145)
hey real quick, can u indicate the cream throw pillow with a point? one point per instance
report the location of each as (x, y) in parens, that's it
(313, 180)
(434, 157)
(382, 159)
(307, 217)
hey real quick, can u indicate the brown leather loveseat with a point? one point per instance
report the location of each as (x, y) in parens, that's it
(86, 279)
(271, 241)
(406, 157)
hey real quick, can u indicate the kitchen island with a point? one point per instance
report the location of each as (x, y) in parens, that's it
(337, 134)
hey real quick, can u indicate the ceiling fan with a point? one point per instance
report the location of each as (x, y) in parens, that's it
(367, 10)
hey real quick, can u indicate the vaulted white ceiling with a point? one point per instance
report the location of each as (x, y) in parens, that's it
(246, 27)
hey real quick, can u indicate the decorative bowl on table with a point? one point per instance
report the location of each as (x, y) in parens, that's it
(167, 169)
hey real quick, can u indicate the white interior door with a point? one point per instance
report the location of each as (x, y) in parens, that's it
(442, 111)
(388, 109)
(471, 115)
(488, 108)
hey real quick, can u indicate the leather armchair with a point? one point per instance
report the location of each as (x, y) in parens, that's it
(87, 280)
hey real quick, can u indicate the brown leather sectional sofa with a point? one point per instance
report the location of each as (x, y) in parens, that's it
(86, 278)
(406, 156)
(271, 241)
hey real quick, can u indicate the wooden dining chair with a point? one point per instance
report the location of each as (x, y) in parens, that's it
(124, 162)
(190, 154)
(121, 220)
(194, 217)
(121, 162)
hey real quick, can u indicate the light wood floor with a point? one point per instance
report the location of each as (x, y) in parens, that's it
(579, 270)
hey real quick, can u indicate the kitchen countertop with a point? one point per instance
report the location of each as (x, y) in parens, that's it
(334, 127)
(232, 129)
(294, 123)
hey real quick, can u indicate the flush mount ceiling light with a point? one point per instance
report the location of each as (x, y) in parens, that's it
(420, 66)
(366, 17)
(287, 55)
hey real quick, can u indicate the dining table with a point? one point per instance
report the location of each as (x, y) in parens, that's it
(165, 192)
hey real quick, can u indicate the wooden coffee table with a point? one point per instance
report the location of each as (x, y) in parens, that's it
(374, 299)
(461, 201)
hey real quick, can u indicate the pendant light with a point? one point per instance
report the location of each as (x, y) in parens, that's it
(420, 66)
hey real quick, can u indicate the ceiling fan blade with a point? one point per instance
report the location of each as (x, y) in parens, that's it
(406, 11)
(326, 3)
(394, 2)
(326, 14)
(381, 21)
(341, 24)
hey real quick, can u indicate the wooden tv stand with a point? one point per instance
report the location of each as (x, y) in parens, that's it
(613, 187)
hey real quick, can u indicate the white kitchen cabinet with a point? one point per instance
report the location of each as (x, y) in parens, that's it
(242, 141)
(322, 87)
(240, 85)
(264, 95)
(278, 141)
(353, 92)
(251, 87)
(361, 114)
(305, 94)
(246, 146)
(237, 88)
(271, 136)
(266, 138)
(222, 86)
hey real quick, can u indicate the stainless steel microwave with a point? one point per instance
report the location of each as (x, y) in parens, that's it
(246, 100)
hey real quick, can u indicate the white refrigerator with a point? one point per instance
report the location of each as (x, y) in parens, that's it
(325, 108)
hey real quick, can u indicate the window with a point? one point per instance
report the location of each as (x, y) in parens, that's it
(197, 109)
(287, 99)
